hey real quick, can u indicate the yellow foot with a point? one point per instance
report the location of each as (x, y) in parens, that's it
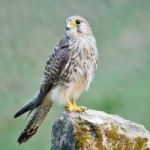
(71, 107)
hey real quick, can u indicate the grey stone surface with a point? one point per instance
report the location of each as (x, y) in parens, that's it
(96, 130)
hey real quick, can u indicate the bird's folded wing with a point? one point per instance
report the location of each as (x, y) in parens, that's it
(55, 65)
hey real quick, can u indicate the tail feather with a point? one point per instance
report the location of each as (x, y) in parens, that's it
(32, 104)
(27, 107)
(36, 120)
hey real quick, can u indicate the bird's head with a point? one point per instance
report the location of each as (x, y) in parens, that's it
(77, 26)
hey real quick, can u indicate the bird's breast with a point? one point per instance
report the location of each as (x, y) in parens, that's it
(77, 74)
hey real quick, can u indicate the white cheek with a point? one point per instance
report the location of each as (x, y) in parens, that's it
(83, 28)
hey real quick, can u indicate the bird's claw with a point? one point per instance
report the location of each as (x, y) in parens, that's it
(70, 107)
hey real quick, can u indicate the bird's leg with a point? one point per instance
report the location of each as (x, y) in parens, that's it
(78, 108)
(73, 101)
(68, 104)
(71, 106)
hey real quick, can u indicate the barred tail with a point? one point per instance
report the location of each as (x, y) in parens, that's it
(36, 120)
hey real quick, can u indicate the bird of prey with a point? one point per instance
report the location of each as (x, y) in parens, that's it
(68, 72)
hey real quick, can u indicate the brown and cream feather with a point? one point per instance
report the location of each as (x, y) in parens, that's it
(68, 72)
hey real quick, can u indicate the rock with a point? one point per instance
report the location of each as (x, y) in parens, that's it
(96, 130)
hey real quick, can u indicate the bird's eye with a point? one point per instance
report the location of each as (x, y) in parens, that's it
(78, 22)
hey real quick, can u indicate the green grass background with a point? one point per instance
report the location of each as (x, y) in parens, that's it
(29, 29)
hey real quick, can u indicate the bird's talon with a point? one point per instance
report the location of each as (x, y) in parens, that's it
(67, 107)
(83, 108)
(75, 108)
(71, 106)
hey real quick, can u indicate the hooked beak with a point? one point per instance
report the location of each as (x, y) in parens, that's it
(71, 24)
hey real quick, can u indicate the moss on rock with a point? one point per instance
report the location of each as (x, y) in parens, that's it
(96, 130)
(107, 136)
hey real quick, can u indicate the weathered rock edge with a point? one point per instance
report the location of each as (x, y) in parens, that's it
(96, 130)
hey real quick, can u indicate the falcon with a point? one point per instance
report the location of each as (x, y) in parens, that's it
(68, 72)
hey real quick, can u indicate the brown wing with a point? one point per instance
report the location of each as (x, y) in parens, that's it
(55, 65)
(53, 69)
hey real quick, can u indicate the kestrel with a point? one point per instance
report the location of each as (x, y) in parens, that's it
(68, 72)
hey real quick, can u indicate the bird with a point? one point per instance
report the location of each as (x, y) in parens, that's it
(68, 72)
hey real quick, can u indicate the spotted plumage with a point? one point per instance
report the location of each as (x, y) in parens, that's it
(68, 72)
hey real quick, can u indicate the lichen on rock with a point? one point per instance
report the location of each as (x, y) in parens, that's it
(95, 130)
(106, 136)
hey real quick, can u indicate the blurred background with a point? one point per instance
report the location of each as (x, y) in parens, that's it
(28, 32)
